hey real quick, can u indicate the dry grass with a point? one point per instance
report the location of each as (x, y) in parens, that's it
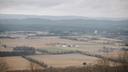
(16, 63)
(65, 60)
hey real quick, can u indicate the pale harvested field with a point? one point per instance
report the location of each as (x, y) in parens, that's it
(51, 42)
(16, 63)
(19, 63)
(65, 59)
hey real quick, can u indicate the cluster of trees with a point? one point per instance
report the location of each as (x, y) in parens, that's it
(18, 51)
(42, 64)
(3, 65)
(56, 52)
(126, 44)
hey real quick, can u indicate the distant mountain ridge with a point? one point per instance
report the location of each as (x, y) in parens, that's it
(61, 24)
(20, 16)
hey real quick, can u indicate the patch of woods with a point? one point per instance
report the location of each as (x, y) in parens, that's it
(18, 51)
(126, 44)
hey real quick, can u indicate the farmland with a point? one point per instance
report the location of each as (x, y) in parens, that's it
(60, 52)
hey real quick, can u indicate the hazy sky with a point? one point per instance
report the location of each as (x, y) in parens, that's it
(87, 8)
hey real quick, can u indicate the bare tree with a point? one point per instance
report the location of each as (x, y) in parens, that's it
(34, 67)
(3, 66)
(124, 58)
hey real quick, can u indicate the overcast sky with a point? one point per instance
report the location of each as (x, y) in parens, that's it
(87, 8)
